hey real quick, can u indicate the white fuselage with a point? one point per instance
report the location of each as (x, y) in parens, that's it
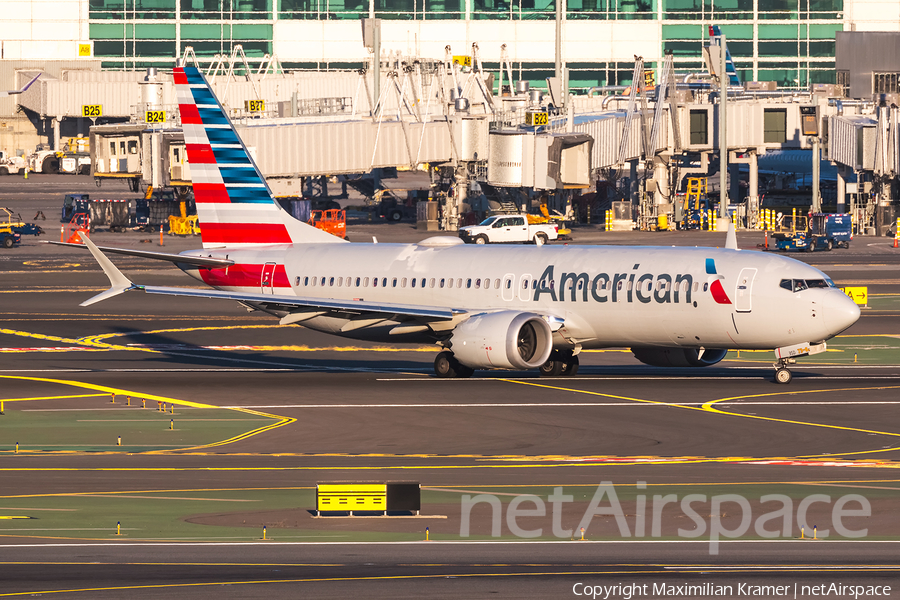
(604, 296)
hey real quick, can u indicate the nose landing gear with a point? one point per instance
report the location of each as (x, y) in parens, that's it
(782, 373)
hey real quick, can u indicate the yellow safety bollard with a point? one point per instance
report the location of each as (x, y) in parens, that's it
(802, 537)
(426, 534)
(854, 357)
(264, 532)
(793, 220)
(160, 234)
(172, 407)
(158, 406)
(118, 527)
(582, 534)
(143, 403)
(26, 172)
(815, 532)
(17, 447)
(172, 424)
(1, 407)
(113, 399)
(128, 401)
(119, 441)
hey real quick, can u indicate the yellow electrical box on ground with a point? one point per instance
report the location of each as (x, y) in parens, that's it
(860, 295)
(351, 496)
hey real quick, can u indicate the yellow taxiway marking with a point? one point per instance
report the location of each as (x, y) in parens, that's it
(280, 421)
(7, 517)
(708, 406)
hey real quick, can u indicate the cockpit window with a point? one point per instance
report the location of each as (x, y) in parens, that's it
(798, 285)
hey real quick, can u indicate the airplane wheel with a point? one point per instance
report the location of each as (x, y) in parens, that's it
(571, 367)
(444, 364)
(552, 368)
(783, 375)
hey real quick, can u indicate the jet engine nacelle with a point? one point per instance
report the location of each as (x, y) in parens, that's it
(678, 357)
(502, 340)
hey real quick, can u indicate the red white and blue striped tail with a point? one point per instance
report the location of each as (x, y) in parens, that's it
(235, 206)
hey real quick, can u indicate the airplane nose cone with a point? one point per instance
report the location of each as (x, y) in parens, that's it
(840, 312)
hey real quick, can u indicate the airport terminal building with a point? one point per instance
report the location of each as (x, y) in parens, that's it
(791, 42)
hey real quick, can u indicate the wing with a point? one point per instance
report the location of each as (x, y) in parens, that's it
(297, 308)
(200, 261)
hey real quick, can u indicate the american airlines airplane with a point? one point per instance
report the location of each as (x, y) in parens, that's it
(487, 307)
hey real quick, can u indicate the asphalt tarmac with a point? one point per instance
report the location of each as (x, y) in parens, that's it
(347, 410)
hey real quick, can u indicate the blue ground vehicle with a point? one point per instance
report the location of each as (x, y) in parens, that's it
(826, 231)
(8, 240)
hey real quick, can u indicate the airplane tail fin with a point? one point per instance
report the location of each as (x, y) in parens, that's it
(715, 33)
(235, 206)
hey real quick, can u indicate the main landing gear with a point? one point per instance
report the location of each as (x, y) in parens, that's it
(446, 365)
(782, 373)
(561, 362)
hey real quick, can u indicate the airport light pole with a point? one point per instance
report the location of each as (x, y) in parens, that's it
(723, 138)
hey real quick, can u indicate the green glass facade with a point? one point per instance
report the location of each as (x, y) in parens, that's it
(787, 41)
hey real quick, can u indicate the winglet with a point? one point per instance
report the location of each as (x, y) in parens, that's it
(731, 237)
(117, 281)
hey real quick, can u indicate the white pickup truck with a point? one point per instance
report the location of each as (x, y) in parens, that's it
(508, 228)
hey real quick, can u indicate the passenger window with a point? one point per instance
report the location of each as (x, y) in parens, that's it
(619, 286)
(314, 281)
(331, 281)
(403, 282)
(431, 282)
(508, 283)
(298, 281)
(497, 284)
(534, 284)
(384, 282)
(705, 286)
(442, 282)
(468, 283)
(450, 283)
(365, 282)
(423, 282)
(357, 281)
(374, 282)
(487, 284)
(412, 282)
(459, 282)
(394, 282)
(696, 285)
(477, 283)
(306, 281)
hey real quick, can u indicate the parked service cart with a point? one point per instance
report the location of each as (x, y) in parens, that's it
(508, 228)
(824, 232)
(109, 213)
(13, 223)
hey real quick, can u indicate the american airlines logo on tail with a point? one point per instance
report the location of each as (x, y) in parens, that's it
(715, 283)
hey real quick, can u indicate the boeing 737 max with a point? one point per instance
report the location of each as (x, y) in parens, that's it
(488, 307)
